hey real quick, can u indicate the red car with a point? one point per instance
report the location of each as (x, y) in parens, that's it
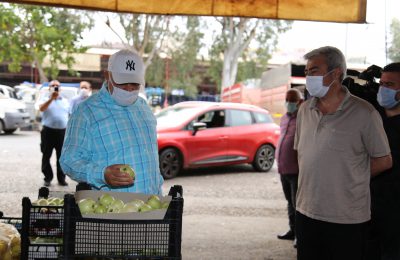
(201, 134)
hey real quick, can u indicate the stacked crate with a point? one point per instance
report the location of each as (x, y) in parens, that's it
(42, 231)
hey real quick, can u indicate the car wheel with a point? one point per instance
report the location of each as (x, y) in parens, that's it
(170, 163)
(264, 158)
(9, 131)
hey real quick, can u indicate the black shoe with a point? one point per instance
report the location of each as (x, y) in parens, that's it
(287, 236)
(62, 183)
(47, 183)
(295, 243)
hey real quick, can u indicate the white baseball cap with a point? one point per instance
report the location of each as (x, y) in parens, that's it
(126, 67)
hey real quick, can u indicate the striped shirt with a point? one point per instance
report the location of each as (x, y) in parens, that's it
(101, 133)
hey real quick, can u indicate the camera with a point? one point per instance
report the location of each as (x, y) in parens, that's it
(363, 84)
(56, 89)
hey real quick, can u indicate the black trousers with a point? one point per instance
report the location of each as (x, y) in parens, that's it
(51, 139)
(384, 242)
(320, 240)
(289, 186)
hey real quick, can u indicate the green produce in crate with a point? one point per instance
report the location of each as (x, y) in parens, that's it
(106, 203)
(136, 202)
(100, 209)
(57, 201)
(128, 169)
(129, 207)
(145, 207)
(40, 202)
(48, 202)
(106, 199)
(115, 206)
(154, 202)
(86, 206)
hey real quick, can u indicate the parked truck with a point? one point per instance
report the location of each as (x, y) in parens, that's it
(269, 91)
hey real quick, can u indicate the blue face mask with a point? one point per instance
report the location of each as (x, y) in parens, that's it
(387, 97)
(291, 107)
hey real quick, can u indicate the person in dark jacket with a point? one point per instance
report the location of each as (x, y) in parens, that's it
(385, 188)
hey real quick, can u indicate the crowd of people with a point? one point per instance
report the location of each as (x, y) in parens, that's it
(338, 156)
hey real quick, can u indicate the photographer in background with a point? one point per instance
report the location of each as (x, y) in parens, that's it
(54, 110)
(385, 188)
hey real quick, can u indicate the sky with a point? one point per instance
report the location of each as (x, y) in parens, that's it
(364, 43)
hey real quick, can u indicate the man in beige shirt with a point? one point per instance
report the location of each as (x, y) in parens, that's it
(340, 142)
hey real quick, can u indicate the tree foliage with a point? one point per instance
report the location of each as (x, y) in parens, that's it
(243, 41)
(182, 74)
(143, 33)
(153, 35)
(31, 34)
(394, 50)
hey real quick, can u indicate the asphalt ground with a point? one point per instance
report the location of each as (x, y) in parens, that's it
(229, 212)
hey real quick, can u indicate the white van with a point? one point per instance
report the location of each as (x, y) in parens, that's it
(27, 93)
(13, 114)
(8, 91)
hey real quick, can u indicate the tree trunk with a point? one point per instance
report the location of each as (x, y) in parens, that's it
(229, 70)
(42, 74)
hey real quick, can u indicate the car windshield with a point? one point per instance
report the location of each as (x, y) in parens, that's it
(175, 115)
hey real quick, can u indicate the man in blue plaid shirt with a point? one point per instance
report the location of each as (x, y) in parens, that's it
(112, 128)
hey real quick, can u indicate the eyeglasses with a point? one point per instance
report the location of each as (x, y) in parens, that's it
(54, 85)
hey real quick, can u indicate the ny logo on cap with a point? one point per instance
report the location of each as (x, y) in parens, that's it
(130, 64)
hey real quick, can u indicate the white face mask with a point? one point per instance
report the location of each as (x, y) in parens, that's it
(84, 92)
(315, 85)
(124, 98)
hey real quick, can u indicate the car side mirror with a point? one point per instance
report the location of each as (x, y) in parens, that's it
(198, 126)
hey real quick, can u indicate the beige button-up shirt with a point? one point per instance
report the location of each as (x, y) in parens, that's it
(334, 152)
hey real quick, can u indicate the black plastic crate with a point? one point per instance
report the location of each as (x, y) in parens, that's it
(15, 221)
(42, 231)
(124, 239)
(42, 227)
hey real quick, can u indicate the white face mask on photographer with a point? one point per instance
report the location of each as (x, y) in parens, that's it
(84, 92)
(315, 85)
(124, 98)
